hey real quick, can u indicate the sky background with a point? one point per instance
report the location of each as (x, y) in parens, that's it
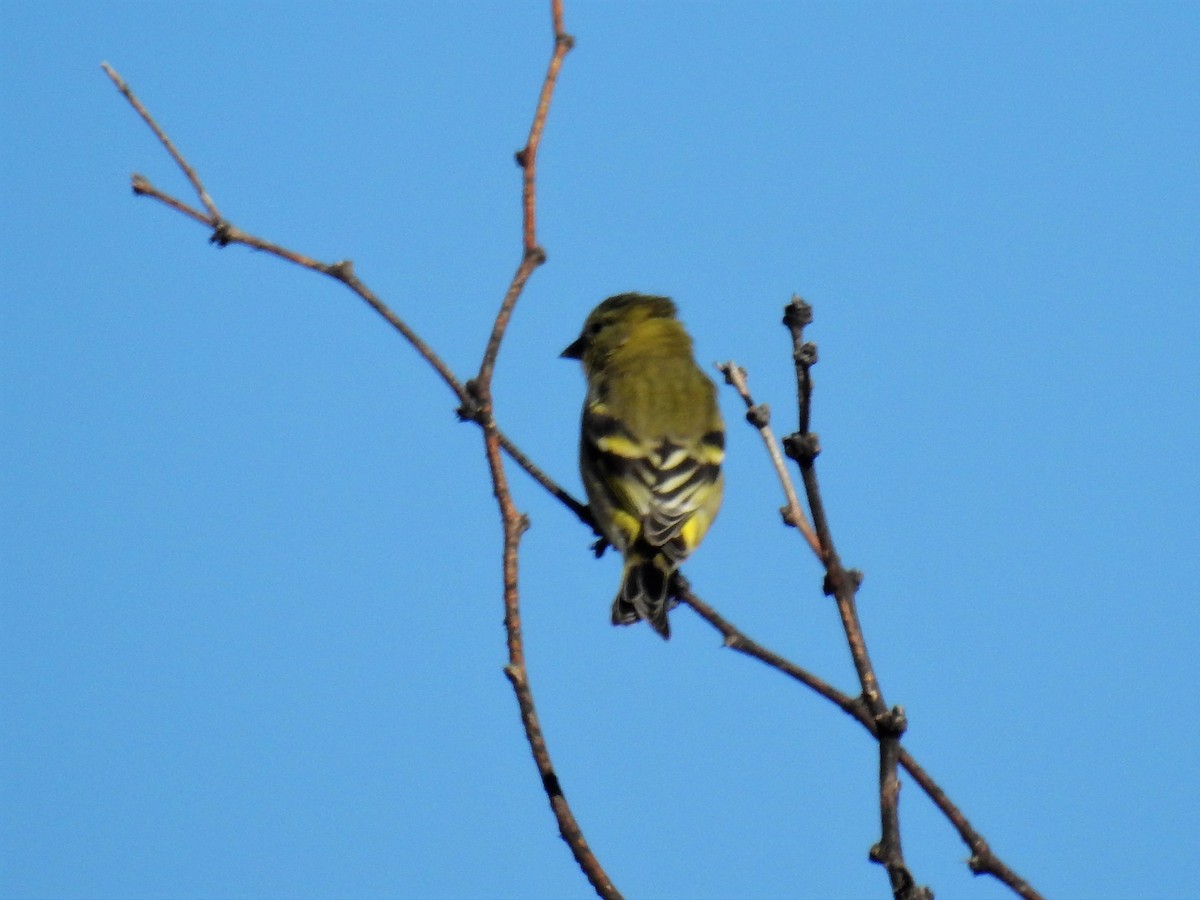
(251, 639)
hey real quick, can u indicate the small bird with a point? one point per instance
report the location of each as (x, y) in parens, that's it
(651, 446)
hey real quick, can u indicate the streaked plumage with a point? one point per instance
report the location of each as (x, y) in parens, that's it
(651, 446)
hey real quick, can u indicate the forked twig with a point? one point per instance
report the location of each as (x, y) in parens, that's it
(213, 213)
(759, 415)
(225, 234)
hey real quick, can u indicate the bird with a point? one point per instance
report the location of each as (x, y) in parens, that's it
(651, 446)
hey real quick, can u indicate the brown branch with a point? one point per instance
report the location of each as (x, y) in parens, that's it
(552, 487)
(868, 709)
(475, 404)
(533, 255)
(342, 272)
(842, 584)
(143, 188)
(889, 724)
(224, 234)
(737, 640)
(527, 156)
(514, 523)
(213, 212)
(759, 415)
(983, 861)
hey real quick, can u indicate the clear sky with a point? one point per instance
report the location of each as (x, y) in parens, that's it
(251, 641)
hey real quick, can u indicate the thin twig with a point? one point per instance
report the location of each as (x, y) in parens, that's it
(533, 255)
(759, 415)
(527, 156)
(737, 640)
(983, 860)
(213, 212)
(143, 188)
(552, 487)
(515, 525)
(842, 584)
(225, 234)
(513, 522)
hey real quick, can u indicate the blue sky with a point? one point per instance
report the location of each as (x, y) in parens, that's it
(249, 562)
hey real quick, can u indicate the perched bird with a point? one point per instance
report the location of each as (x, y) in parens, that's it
(651, 446)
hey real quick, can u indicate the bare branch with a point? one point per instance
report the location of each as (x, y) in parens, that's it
(842, 584)
(143, 188)
(886, 725)
(225, 234)
(533, 255)
(527, 156)
(475, 405)
(737, 640)
(983, 860)
(213, 212)
(759, 415)
(552, 487)
(513, 522)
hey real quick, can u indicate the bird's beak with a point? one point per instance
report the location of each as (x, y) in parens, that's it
(575, 351)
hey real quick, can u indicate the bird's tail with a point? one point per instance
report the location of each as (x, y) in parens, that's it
(644, 591)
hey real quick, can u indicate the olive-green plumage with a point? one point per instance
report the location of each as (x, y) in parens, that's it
(651, 446)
